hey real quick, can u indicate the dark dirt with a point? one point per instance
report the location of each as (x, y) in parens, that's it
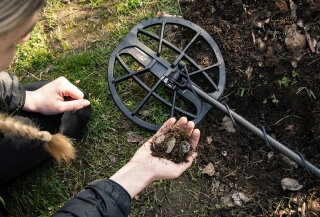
(173, 145)
(270, 81)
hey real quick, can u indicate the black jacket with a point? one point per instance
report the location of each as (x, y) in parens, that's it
(100, 198)
(12, 93)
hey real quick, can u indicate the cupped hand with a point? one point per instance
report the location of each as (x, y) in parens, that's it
(161, 168)
(57, 96)
(143, 168)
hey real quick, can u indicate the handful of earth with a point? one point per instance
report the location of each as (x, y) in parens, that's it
(173, 145)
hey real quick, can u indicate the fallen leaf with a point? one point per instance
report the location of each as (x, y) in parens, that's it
(227, 124)
(132, 137)
(209, 169)
(239, 198)
(294, 40)
(235, 198)
(281, 6)
(208, 139)
(227, 200)
(249, 72)
(314, 205)
(144, 113)
(112, 159)
(159, 14)
(290, 184)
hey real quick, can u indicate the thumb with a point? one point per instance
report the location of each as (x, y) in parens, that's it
(75, 105)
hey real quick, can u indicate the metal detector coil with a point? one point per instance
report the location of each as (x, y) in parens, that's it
(147, 72)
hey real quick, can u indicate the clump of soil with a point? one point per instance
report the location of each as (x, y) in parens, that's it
(173, 145)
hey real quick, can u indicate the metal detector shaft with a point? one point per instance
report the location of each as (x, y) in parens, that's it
(250, 127)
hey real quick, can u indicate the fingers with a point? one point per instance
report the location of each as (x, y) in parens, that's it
(164, 128)
(182, 122)
(191, 158)
(74, 105)
(74, 92)
(69, 89)
(194, 138)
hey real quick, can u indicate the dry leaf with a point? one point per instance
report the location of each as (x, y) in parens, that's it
(159, 14)
(132, 137)
(208, 140)
(314, 205)
(144, 113)
(227, 124)
(209, 169)
(112, 159)
(235, 198)
(249, 72)
(294, 40)
(281, 6)
(290, 184)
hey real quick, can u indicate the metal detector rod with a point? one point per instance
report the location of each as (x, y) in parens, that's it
(274, 143)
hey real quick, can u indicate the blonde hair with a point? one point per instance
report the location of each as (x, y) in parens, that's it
(58, 145)
(14, 12)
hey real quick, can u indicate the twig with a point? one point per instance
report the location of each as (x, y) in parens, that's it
(180, 8)
(303, 210)
(313, 61)
(293, 11)
(286, 118)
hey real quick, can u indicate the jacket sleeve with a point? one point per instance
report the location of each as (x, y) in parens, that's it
(12, 92)
(100, 198)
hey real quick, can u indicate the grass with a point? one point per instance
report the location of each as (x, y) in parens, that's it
(76, 41)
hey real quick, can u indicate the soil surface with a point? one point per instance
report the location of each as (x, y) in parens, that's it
(272, 55)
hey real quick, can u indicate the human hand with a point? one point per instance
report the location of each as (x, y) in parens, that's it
(57, 96)
(144, 168)
(162, 168)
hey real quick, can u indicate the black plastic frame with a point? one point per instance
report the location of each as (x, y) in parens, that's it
(162, 69)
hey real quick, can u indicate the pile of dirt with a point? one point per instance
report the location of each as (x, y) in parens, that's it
(173, 145)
